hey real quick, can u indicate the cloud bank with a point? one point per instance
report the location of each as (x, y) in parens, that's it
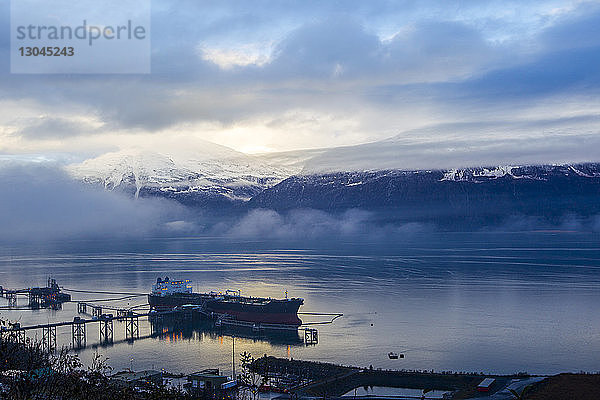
(308, 224)
(271, 75)
(42, 203)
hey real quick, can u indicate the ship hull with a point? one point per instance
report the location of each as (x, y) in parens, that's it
(167, 303)
(256, 310)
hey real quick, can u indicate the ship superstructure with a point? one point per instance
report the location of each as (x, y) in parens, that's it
(167, 287)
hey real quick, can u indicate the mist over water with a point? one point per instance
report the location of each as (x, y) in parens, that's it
(493, 302)
(42, 203)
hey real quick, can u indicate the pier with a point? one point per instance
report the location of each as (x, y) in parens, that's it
(105, 322)
(96, 310)
(105, 315)
(38, 297)
(79, 328)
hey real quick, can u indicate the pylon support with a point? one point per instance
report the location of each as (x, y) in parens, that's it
(311, 336)
(49, 338)
(106, 330)
(132, 326)
(12, 299)
(78, 334)
(97, 311)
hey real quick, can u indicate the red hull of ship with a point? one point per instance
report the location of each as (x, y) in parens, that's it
(255, 310)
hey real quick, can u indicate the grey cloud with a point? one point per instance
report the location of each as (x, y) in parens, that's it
(520, 223)
(342, 48)
(185, 88)
(331, 63)
(468, 145)
(4, 38)
(325, 49)
(441, 51)
(55, 127)
(39, 202)
(579, 29)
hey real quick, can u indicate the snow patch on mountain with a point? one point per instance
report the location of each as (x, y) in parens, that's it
(137, 168)
(471, 173)
(588, 174)
(213, 171)
(531, 172)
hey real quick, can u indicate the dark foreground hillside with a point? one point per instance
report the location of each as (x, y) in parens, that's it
(567, 387)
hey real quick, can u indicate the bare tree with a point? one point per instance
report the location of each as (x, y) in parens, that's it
(249, 380)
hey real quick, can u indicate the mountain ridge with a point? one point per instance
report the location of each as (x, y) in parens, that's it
(224, 179)
(482, 194)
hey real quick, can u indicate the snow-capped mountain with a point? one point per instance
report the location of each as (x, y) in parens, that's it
(200, 176)
(493, 192)
(216, 176)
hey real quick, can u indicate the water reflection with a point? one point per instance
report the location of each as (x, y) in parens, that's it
(174, 328)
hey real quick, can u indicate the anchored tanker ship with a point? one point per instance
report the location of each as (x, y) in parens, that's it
(167, 294)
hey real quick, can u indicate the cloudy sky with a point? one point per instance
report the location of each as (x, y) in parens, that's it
(275, 75)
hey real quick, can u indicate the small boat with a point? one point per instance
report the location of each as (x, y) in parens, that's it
(395, 356)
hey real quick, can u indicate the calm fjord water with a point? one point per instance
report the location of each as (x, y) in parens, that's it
(493, 302)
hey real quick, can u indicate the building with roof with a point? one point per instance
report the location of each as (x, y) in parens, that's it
(138, 379)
